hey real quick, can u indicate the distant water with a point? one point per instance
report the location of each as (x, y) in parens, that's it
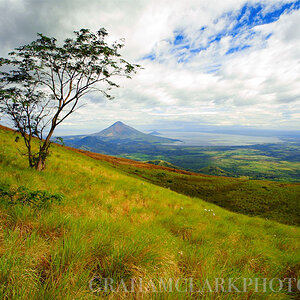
(217, 139)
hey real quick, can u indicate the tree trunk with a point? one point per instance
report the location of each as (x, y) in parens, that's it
(30, 160)
(41, 164)
(43, 153)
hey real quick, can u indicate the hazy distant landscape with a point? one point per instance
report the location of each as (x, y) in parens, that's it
(218, 139)
(233, 155)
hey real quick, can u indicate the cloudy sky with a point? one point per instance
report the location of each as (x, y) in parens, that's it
(206, 62)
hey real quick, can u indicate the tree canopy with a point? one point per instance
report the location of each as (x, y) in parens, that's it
(42, 83)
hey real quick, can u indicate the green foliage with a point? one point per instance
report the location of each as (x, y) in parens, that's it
(60, 140)
(23, 196)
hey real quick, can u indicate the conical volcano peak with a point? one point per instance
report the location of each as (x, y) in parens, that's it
(118, 123)
(118, 130)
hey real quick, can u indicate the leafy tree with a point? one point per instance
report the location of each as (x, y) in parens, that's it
(42, 83)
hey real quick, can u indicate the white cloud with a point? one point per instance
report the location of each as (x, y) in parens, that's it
(255, 87)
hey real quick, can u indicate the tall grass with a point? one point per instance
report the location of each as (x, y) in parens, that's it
(114, 226)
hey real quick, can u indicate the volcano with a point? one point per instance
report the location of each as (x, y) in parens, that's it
(120, 131)
(115, 139)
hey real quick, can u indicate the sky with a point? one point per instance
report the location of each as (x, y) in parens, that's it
(205, 62)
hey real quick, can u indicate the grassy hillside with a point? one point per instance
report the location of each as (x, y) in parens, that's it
(111, 225)
(270, 200)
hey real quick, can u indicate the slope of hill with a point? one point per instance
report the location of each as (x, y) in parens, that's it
(161, 163)
(114, 226)
(211, 170)
(271, 200)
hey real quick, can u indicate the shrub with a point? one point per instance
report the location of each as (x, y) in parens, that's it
(23, 196)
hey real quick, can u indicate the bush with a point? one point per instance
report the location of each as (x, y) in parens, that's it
(23, 196)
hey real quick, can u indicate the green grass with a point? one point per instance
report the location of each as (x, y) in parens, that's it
(267, 199)
(112, 225)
